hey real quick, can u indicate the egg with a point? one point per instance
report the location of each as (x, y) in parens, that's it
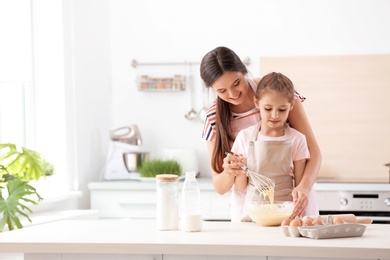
(308, 221)
(296, 222)
(286, 222)
(337, 220)
(318, 221)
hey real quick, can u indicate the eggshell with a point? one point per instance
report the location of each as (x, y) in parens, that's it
(307, 221)
(286, 222)
(318, 221)
(337, 220)
(297, 222)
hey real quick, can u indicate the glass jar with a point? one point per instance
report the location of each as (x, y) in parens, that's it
(167, 216)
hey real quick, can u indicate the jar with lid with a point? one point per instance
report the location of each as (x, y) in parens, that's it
(191, 204)
(167, 216)
(144, 82)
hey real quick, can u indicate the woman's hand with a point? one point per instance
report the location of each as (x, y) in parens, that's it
(235, 162)
(300, 198)
(232, 164)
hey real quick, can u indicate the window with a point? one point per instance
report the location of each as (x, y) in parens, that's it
(32, 107)
(15, 71)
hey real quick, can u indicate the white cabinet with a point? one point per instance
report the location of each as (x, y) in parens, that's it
(124, 204)
(133, 199)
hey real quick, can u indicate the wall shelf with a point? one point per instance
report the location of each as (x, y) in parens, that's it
(135, 63)
(147, 80)
(148, 83)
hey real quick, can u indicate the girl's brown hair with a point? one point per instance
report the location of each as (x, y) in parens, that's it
(278, 82)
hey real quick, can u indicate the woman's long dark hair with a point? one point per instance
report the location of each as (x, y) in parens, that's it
(212, 66)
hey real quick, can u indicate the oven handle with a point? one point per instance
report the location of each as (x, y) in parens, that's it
(376, 218)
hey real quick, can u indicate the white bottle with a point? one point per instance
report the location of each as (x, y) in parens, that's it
(191, 204)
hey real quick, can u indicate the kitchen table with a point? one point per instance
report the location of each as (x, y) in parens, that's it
(116, 239)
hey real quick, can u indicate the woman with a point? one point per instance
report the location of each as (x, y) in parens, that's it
(235, 110)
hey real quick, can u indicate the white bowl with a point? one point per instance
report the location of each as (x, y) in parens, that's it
(267, 214)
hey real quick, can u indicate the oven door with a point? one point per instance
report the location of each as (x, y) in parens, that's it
(377, 217)
(373, 204)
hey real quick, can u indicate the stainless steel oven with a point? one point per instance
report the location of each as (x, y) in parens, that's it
(364, 199)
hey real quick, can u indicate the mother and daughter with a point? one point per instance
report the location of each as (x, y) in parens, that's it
(261, 123)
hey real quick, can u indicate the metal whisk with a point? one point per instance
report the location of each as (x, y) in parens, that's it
(262, 183)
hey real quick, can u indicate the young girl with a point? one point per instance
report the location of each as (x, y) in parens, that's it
(233, 110)
(271, 147)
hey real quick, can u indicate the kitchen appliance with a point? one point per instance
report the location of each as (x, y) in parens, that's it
(364, 198)
(124, 155)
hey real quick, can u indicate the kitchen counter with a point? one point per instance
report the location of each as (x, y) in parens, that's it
(206, 184)
(119, 238)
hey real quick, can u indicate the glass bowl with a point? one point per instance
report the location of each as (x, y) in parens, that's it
(265, 213)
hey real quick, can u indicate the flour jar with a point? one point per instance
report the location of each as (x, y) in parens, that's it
(167, 216)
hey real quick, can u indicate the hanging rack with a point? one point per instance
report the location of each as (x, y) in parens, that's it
(135, 63)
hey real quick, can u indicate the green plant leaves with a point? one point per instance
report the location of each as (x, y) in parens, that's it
(12, 206)
(153, 167)
(17, 168)
(25, 164)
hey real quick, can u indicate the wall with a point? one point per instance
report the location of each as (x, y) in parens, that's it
(158, 31)
(87, 90)
(105, 92)
(349, 100)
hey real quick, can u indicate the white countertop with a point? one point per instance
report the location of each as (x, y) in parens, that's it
(119, 236)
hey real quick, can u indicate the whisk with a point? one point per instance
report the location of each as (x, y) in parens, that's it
(264, 185)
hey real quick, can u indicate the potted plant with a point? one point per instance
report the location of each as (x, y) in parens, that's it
(153, 167)
(17, 168)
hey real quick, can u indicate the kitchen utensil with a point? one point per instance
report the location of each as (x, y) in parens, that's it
(203, 111)
(265, 213)
(129, 134)
(192, 114)
(124, 154)
(134, 160)
(264, 185)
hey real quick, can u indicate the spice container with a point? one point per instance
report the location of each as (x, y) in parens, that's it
(167, 202)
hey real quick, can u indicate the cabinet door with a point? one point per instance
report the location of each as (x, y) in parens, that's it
(124, 204)
(216, 206)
